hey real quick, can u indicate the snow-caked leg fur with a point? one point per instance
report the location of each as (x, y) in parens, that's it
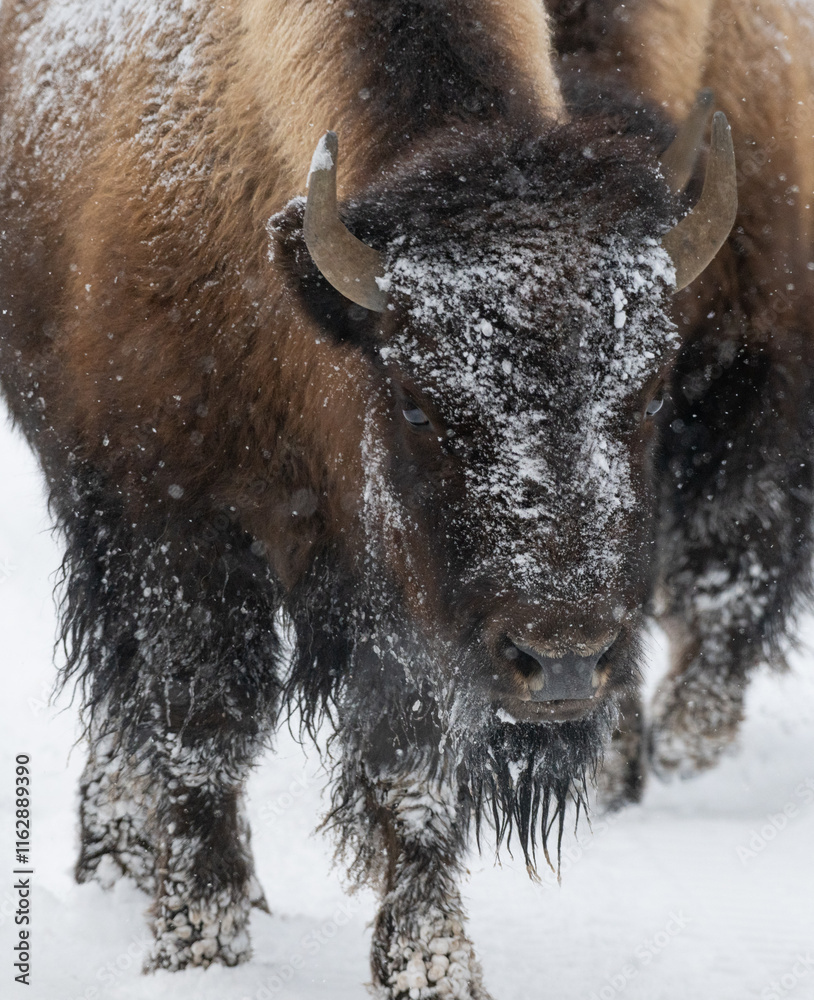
(420, 949)
(736, 546)
(206, 876)
(698, 707)
(172, 637)
(116, 801)
(403, 831)
(125, 813)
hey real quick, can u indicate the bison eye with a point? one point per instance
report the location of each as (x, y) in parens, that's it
(654, 406)
(416, 417)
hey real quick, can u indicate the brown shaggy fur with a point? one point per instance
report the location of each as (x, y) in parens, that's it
(133, 342)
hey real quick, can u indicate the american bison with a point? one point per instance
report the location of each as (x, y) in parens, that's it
(454, 430)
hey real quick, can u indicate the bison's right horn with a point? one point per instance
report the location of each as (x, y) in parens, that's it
(693, 242)
(343, 260)
(679, 159)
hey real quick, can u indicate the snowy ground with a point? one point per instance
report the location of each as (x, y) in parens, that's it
(705, 891)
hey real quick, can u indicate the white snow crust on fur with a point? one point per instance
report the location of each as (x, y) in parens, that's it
(470, 365)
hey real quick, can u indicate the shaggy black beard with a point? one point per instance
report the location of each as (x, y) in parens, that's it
(518, 779)
(521, 778)
(375, 677)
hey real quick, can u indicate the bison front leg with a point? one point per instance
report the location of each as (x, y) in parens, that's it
(205, 882)
(419, 942)
(736, 546)
(405, 827)
(175, 640)
(164, 807)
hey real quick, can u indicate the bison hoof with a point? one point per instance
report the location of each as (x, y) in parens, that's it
(257, 897)
(695, 722)
(438, 963)
(214, 931)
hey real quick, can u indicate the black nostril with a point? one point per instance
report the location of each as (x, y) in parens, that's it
(556, 678)
(522, 661)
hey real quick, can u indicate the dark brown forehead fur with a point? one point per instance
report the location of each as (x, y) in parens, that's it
(597, 177)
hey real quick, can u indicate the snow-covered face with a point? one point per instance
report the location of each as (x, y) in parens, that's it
(509, 490)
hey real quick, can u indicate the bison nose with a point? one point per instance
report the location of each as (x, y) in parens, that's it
(569, 677)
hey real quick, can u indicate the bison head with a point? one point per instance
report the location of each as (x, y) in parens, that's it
(516, 324)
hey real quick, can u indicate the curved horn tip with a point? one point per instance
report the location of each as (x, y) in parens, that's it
(354, 269)
(722, 157)
(331, 142)
(719, 120)
(325, 155)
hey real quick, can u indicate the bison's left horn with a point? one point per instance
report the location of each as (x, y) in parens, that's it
(343, 260)
(693, 243)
